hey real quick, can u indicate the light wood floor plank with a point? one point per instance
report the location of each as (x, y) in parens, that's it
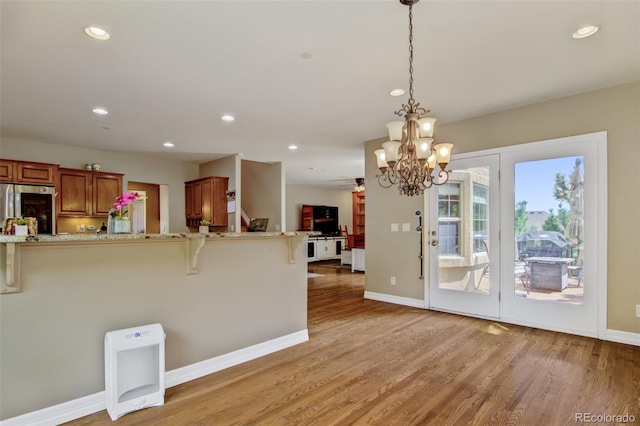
(374, 363)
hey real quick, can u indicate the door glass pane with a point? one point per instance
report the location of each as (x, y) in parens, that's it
(463, 229)
(549, 230)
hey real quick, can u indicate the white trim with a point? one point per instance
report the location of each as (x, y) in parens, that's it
(96, 402)
(603, 232)
(398, 300)
(623, 337)
(550, 327)
(212, 365)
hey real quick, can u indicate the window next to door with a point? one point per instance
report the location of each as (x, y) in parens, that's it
(463, 218)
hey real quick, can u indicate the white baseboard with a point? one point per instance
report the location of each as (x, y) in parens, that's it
(96, 402)
(212, 365)
(623, 337)
(398, 300)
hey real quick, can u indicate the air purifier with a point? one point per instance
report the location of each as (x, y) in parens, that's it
(134, 369)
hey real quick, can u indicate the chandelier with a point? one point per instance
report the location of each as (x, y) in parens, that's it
(410, 157)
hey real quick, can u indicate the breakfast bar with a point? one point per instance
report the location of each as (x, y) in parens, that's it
(221, 298)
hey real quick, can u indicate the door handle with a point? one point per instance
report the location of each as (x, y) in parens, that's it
(434, 242)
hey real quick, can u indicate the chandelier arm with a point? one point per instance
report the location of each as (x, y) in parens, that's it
(384, 180)
(444, 177)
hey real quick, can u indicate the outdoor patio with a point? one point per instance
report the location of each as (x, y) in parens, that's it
(574, 293)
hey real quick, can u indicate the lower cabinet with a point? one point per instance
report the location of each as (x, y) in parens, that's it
(324, 248)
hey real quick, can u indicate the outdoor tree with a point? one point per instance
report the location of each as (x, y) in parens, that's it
(563, 217)
(561, 189)
(521, 217)
(552, 223)
(561, 192)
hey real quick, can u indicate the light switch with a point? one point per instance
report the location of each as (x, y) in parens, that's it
(394, 227)
(406, 227)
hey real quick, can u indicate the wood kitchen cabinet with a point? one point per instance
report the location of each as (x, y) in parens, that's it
(206, 199)
(87, 193)
(27, 172)
(193, 200)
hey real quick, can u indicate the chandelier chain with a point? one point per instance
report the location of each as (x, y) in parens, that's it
(411, 100)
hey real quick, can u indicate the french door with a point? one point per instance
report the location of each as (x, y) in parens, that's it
(519, 234)
(463, 239)
(554, 234)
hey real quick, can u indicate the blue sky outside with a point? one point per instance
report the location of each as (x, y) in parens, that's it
(534, 181)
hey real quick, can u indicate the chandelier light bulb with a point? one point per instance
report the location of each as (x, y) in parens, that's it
(423, 148)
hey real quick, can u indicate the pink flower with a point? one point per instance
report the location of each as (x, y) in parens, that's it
(122, 201)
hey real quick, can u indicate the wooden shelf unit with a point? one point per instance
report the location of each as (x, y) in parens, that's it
(358, 204)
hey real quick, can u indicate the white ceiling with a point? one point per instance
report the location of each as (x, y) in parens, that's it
(172, 68)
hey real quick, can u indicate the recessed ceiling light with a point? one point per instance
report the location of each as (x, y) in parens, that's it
(97, 33)
(227, 117)
(168, 144)
(100, 111)
(306, 55)
(293, 147)
(396, 92)
(586, 31)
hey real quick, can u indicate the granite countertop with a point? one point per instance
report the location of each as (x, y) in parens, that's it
(137, 237)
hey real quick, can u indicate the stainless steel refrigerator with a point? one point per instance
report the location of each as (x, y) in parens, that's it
(29, 201)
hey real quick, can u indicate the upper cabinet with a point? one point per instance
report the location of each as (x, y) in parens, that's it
(206, 199)
(27, 172)
(87, 193)
(193, 200)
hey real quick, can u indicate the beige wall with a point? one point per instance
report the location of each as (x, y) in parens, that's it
(53, 332)
(297, 195)
(615, 110)
(263, 191)
(136, 167)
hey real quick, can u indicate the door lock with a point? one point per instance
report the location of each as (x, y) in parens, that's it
(434, 242)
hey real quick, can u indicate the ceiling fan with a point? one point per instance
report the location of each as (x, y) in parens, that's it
(351, 184)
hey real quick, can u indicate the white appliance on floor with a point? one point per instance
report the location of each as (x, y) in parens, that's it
(134, 369)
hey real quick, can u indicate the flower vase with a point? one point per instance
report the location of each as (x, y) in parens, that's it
(120, 226)
(203, 229)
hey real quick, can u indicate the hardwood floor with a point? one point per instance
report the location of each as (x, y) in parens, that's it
(374, 363)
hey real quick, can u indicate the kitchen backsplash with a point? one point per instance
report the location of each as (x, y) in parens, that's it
(71, 225)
